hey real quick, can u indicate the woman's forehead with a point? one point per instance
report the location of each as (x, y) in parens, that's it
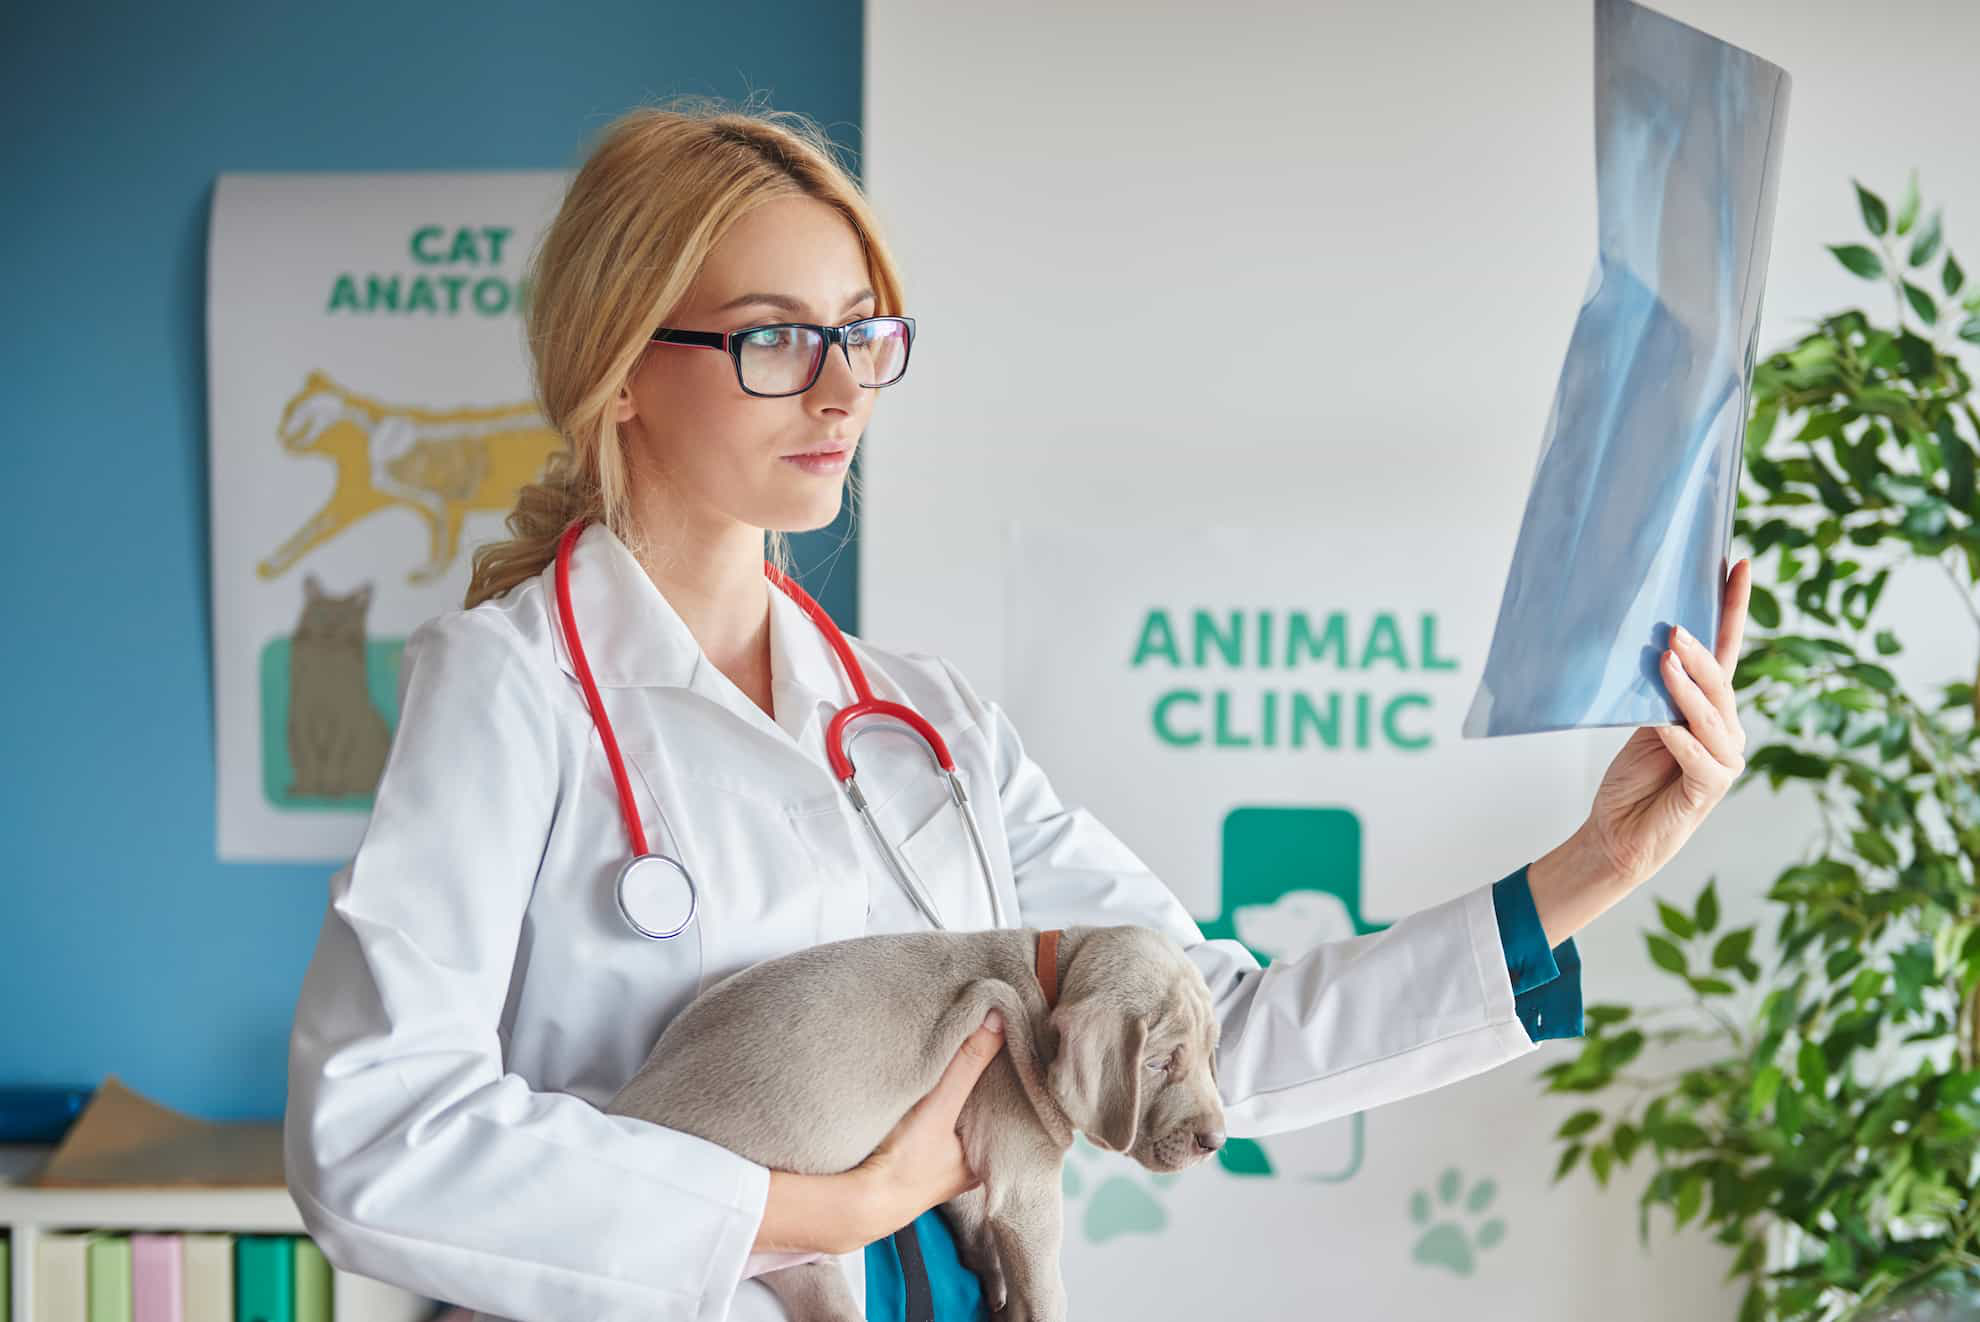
(806, 257)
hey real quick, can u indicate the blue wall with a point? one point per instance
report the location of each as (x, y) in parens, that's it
(126, 948)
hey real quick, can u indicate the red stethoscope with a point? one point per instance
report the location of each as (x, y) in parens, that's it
(656, 894)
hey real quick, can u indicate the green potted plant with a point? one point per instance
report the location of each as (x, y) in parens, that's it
(1830, 1134)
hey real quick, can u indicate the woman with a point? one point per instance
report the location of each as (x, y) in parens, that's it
(476, 995)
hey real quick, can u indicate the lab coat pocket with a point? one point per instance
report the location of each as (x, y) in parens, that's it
(940, 853)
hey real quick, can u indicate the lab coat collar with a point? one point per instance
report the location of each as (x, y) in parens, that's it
(634, 638)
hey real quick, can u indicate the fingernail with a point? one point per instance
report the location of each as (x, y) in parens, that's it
(1683, 637)
(994, 1021)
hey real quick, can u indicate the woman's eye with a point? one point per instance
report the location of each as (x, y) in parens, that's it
(769, 337)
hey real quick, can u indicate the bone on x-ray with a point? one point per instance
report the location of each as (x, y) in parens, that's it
(1629, 519)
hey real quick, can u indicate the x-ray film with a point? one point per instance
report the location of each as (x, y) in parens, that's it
(1629, 520)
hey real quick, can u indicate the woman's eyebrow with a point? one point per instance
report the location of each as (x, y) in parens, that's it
(786, 303)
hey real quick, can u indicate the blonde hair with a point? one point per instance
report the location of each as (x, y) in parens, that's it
(655, 194)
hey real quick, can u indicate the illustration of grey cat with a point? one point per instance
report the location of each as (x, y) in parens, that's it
(337, 738)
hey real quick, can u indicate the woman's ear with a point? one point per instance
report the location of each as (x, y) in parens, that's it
(622, 407)
(1097, 1074)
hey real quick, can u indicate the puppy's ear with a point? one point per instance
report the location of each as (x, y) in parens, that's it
(1097, 1074)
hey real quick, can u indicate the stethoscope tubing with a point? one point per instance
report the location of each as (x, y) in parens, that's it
(864, 705)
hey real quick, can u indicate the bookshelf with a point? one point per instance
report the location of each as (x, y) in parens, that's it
(26, 1211)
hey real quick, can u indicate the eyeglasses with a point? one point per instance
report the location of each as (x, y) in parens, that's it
(786, 358)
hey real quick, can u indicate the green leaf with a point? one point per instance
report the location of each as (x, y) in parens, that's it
(1600, 1016)
(1952, 277)
(1908, 207)
(1599, 1159)
(1927, 242)
(1764, 608)
(1887, 643)
(1711, 986)
(1568, 1159)
(1859, 259)
(1707, 914)
(1875, 215)
(1578, 1124)
(1765, 1085)
(1921, 303)
(1666, 954)
(1691, 1195)
(1732, 949)
(1970, 330)
(1872, 674)
(1676, 920)
(1875, 848)
(1959, 464)
(1814, 1071)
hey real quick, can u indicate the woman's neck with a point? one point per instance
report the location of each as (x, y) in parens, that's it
(717, 586)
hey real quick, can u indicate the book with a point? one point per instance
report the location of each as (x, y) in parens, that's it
(264, 1278)
(157, 1278)
(109, 1266)
(312, 1276)
(356, 1298)
(207, 1273)
(61, 1277)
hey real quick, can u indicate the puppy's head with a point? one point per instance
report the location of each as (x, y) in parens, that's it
(1137, 1058)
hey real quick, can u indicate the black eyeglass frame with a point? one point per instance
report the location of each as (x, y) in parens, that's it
(730, 342)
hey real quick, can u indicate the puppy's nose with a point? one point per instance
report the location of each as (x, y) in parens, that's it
(1210, 1139)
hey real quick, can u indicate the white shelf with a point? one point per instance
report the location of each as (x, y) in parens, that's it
(26, 1211)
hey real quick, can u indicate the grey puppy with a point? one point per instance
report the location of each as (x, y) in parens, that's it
(807, 1061)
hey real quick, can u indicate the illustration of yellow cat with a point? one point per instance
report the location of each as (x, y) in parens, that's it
(440, 464)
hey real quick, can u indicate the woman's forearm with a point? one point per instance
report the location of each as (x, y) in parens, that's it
(1572, 884)
(815, 1214)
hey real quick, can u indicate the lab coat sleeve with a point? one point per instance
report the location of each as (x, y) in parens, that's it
(413, 1155)
(1345, 1026)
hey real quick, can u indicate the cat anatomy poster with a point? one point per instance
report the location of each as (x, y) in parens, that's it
(371, 421)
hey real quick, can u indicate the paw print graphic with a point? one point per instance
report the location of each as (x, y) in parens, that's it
(1120, 1198)
(1450, 1242)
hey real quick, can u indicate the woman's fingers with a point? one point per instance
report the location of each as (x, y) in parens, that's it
(1692, 757)
(1706, 722)
(1714, 680)
(1732, 619)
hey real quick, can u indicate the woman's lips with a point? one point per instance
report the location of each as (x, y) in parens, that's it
(834, 462)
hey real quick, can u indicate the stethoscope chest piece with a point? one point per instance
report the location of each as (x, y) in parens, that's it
(656, 895)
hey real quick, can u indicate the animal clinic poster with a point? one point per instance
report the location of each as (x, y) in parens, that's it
(371, 422)
(1270, 718)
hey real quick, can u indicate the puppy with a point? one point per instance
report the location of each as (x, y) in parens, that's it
(806, 1062)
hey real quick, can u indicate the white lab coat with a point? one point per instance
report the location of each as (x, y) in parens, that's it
(475, 997)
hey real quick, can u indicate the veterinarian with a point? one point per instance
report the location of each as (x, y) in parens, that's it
(481, 987)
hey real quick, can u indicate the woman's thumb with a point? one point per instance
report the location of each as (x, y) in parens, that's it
(971, 1059)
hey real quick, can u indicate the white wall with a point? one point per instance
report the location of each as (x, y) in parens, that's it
(1289, 265)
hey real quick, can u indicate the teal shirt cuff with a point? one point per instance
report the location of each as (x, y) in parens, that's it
(1546, 983)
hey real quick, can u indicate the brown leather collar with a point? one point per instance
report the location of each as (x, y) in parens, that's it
(1048, 965)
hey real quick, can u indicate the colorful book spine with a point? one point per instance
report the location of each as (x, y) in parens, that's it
(61, 1277)
(109, 1263)
(312, 1277)
(208, 1276)
(264, 1278)
(158, 1290)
